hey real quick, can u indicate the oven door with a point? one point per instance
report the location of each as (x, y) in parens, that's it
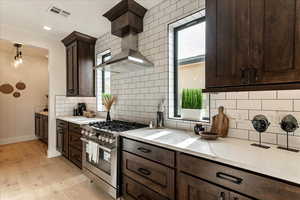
(103, 164)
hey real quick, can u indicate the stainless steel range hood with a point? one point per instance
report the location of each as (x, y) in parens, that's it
(129, 59)
(126, 22)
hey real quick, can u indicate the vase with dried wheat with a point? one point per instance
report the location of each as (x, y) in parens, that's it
(108, 100)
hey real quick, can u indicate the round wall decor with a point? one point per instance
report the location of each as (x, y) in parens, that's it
(6, 88)
(21, 86)
(17, 94)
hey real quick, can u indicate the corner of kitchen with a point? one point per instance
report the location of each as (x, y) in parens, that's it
(149, 100)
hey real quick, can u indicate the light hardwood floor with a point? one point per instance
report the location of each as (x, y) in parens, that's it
(27, 174)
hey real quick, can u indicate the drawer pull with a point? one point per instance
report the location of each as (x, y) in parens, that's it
(144, 171)
(230, 178)
(144, 150)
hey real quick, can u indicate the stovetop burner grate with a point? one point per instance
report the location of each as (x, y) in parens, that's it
(117, 126)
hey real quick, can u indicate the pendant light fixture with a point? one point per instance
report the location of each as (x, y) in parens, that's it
(18, 57)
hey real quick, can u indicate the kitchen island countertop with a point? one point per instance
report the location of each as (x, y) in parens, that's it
(272, 162)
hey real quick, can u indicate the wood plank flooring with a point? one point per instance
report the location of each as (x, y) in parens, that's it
(27, 174)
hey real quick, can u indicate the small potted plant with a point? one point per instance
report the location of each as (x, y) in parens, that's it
(191, 104)
(108, 100)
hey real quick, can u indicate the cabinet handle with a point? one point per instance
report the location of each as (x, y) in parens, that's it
(230, 178)
(146, 172)
(144, 150)
(222, 196)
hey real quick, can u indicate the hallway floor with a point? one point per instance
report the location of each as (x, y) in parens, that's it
(27, 174)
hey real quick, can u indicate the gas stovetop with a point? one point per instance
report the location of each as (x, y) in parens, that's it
(116, 126)
(105, 133)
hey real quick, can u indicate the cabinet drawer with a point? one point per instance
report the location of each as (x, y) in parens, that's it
(75, 128)
(75, 156)
(135, 191)
(247, 183)
(157, 177)
(61, 123)
(191, 188)
(151, 152)
(74, 140)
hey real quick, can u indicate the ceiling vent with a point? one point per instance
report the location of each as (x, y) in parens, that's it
(58, 11)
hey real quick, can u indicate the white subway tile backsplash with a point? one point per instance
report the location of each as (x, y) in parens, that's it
(296, 105)
(284, 105)
(289, 94)
(265, 137)
(249, 104)
(262, 95)
(237, 95)
(65, 105)
(238, 133)
(228, 104)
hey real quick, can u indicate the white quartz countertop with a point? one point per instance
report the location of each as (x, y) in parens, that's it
(79, 119)
(239, 153)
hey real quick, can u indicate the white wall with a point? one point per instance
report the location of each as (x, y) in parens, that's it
(17, 114)
(56, 69)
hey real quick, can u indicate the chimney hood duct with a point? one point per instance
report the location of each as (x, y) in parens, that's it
(127, 22)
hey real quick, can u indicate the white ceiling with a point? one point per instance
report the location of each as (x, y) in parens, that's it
(27, 50)
(86, 15)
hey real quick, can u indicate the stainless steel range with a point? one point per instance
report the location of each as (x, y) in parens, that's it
(100, 157)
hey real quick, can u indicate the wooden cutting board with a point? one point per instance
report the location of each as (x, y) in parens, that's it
(220, 123)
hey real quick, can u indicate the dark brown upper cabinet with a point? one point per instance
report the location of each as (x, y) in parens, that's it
(252, 45)
(80, 53)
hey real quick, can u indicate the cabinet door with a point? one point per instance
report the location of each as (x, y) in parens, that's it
(276, 40)
(191, 188)
(135, 191)
(86, 73)
(45, 129)
(65, 151)
(72, 70)
(234, 196)
(74, 140)
(227, 42)
(37, 125)
(59, 139)
(76, 156)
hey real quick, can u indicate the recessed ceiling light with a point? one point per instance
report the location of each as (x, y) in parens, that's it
(47, 28)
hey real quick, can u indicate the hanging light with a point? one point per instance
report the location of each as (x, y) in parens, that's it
(18, 57)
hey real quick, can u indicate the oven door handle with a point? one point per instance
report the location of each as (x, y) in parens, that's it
(99, 146)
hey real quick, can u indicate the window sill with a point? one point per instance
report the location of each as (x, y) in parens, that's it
(186, 120)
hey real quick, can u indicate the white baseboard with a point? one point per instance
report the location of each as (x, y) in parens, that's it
(17, 139)
(53, 153)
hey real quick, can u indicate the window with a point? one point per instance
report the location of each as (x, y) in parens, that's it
(103, 79)
(189, 103)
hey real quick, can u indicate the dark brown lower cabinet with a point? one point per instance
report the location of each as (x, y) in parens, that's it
(191, 188)
(59, 140)
(41, 127)
(68, 141)
(145, 178)
(75, 156)
(135, 191)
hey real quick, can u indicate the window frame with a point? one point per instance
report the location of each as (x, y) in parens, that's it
(175, 53)
(100, 56)
(103, 72)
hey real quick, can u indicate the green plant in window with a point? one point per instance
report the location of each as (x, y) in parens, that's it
(191, 99)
